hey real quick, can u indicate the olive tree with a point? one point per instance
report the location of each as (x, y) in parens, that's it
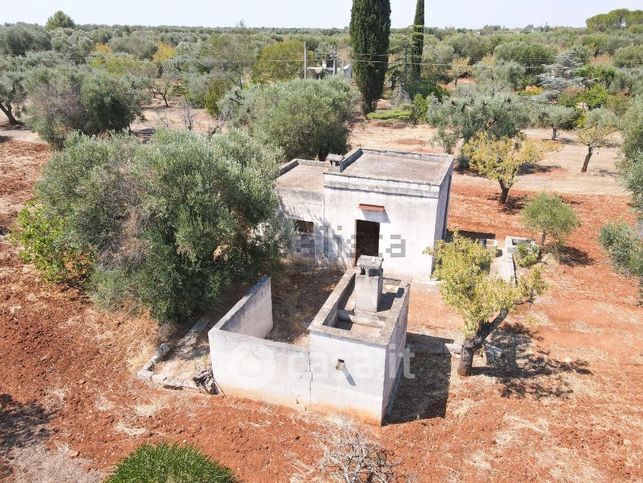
(66, 99)
(599, 125)
(304, 118)
(165, 225)
(550, 216)
(469, 112)
(484, 301)
(555, 117)
(12, 89)
(622, 242)
(495, 75)
(20, 38)
(501, 159)
(230, 56)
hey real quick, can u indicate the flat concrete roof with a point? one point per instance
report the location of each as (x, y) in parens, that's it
(303, 177)
(420, 169)
(398, 166)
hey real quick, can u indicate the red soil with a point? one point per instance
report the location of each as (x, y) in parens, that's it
(567, 408)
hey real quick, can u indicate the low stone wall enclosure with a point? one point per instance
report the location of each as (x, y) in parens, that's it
(354, 355)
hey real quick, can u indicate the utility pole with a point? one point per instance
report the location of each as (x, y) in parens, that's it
(334, 60)
(305, 62)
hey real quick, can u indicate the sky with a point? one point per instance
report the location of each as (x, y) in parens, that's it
(309, 13)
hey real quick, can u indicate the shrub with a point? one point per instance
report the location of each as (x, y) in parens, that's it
(533, 56)
(419, 109)
(594, 97)
(217, 88)
(42, 237)
(390, 115)
(280, 61)
(550, 216)
(91, 101)
(304, 118)
(527, 254)
(170, 222)
(532, 283)
(167, 463)
(631, 56)
(625, 248)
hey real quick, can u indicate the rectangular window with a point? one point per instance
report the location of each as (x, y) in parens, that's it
(304, 227)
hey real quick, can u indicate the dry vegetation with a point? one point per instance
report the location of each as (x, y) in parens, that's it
(564, 403)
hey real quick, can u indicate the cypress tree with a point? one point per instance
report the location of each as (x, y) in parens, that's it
(418, 38)
(369, 31)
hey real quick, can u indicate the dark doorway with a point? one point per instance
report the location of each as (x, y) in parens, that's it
(367, 239)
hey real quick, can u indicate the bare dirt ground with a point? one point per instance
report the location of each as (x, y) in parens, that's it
(157, 115)
(565, 403)
(558, 171)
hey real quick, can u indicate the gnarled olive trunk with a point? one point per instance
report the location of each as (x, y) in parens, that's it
(590, 151)
(472, 344)
(8, 111)
(504, 192)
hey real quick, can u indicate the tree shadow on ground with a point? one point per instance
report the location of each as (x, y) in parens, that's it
(21, 425)
(535, 168)
(525, 373)
(513, 205)
(423, 395)
(573, 257)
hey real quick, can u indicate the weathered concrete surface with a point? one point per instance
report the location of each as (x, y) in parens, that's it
(252, 315)
(244, 363)
(368, 284)
(355, 367)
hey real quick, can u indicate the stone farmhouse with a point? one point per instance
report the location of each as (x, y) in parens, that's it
(388, 204)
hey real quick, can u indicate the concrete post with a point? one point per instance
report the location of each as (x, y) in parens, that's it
(368, 283)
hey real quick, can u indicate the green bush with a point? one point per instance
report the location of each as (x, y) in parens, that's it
(66, 99)
(167, 463)
(217, 88)
(594, 97)
(527, 254)
(550, 216)
(42, 237)
(419, 109)
(390, 115)
(304, 118)
(631, 56)
(171, 222)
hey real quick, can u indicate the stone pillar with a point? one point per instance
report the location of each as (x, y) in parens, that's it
(368, 283)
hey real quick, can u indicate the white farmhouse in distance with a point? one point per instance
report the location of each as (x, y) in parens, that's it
(386, 204)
